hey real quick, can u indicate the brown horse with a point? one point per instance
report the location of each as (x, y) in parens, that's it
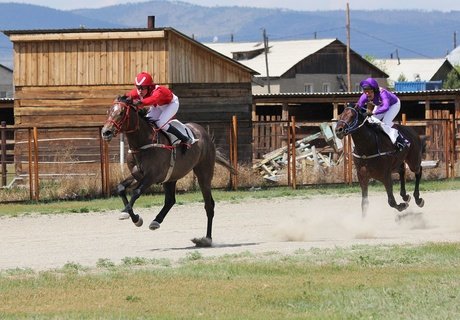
(376, 157)
(152, 159)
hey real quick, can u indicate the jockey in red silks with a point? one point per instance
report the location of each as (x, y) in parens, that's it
(161, 102)
(386, 106)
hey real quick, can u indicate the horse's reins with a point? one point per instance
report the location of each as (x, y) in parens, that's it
(119, 125)
(350, 128)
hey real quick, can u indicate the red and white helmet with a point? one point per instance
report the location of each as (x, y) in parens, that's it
(144, 79)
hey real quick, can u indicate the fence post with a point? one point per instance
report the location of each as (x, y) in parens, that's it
(3, 159)
(452, 145)
(234, 151)
(293, 151)
(288, 149)
(36, 178)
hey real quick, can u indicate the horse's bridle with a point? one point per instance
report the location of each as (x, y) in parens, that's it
(126, 118)
(355, 125)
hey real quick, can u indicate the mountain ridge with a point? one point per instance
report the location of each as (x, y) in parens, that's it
(379, 34)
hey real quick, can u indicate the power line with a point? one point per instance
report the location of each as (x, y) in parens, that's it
(391, 43)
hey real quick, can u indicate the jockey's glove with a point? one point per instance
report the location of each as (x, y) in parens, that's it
(137, 103)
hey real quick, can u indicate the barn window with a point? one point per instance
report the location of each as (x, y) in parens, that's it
(308, 87)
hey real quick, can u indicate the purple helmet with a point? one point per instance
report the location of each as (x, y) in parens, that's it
(369, 83)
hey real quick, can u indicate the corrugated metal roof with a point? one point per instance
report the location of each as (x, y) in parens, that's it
(325, 94)
(454, 56)
(412, 69)
(6, 68)
(282, 55)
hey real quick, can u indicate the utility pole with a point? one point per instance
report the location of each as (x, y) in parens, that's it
(348, 49)
(266, 58)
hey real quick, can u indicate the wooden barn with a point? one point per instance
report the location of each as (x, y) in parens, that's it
(65, 80)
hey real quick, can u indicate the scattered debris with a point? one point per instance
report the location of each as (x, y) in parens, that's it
(306, 154)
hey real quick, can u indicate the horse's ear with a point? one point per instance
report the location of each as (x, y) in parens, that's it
(124, 99)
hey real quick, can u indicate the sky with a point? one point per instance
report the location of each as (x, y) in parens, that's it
(304, 5)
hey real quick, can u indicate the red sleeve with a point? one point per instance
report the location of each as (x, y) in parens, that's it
(160, 96)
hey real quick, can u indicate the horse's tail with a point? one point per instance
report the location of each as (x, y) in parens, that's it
(223, 161)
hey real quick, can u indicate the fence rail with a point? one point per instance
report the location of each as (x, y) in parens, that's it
(36, 153)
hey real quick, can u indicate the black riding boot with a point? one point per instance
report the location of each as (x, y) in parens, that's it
(401, 142)
(186, 141)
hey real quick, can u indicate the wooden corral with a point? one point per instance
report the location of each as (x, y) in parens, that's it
(434, 114)
(67, 77)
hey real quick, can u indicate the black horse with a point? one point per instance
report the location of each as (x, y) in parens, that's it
(376, 157)
(153, 159)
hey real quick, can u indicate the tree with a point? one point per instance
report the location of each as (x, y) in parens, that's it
(453, 79)
(402, 78)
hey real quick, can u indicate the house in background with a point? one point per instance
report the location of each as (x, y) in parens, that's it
(454, 56)
(419, 73)
(318, 65)
(6, 82)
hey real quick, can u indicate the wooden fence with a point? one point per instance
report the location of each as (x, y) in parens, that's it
(442, 138)
(39, 155)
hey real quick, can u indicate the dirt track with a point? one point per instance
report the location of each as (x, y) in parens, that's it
(282, 224)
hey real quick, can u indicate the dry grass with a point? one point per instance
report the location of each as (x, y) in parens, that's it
(85, 181)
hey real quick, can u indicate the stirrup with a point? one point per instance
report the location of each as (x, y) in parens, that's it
(188, 143)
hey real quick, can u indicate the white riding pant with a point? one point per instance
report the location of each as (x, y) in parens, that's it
(163, 114)
(385, 120)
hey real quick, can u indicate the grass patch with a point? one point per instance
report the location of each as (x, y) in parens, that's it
(361, 282)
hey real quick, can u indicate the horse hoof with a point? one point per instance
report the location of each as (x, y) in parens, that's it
(402, 206)
(406, 198)
(154, 225)
(139, 222)
(123, 216)
(203, 242)
(420, 202)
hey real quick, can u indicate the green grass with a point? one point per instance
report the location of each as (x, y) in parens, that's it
(362, 282)
(146, 201)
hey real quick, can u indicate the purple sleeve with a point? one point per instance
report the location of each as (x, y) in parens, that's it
(362, 102)
(385, 98)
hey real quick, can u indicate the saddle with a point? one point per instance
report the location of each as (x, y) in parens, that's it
(182, 128)
(173, 140)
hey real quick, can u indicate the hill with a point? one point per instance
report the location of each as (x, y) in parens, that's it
(380, 34)
(15, 16)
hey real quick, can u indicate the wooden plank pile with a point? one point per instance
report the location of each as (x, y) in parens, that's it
(273, 163)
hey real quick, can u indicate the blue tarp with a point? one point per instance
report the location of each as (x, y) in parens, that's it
(418, 85)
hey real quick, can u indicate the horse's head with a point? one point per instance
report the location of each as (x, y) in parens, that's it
(121, 117)
(350, 120)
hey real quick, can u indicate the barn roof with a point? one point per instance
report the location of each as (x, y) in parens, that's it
(282, 55)
(5, 67)
(454, 56)
(412, 69)
(113, 33)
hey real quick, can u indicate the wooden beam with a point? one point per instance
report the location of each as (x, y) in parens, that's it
(87, 36)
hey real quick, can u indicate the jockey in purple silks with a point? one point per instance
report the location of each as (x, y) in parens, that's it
(386, 106)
